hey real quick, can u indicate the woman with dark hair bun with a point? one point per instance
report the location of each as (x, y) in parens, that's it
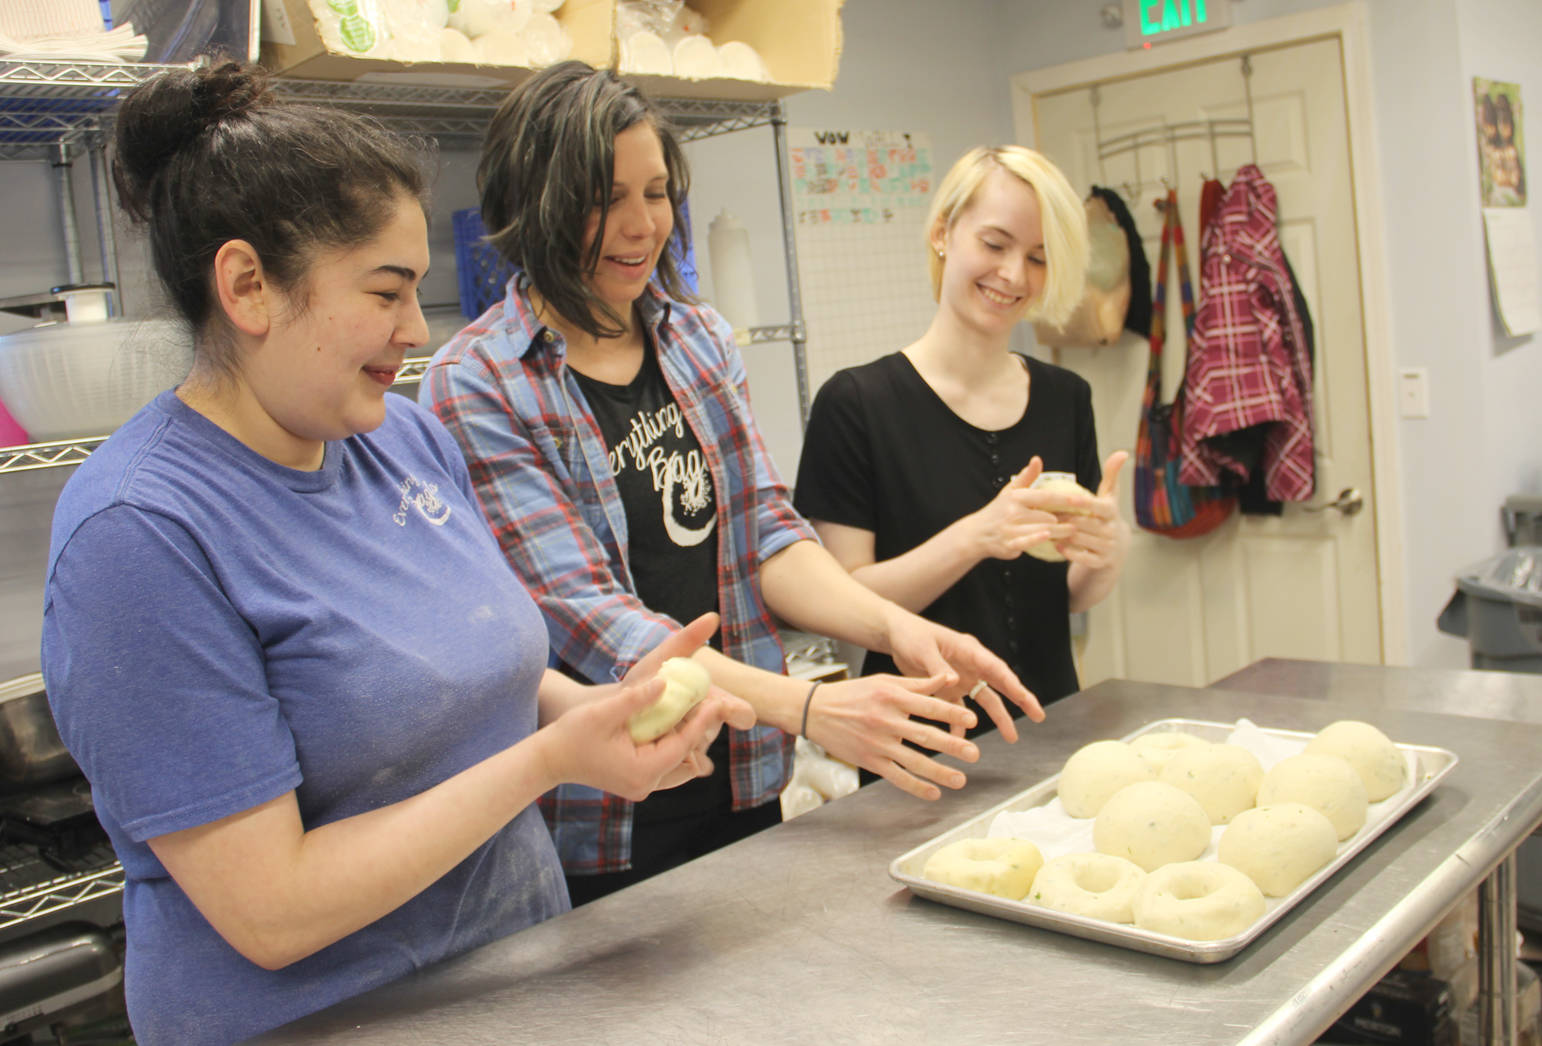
(310, 697)
(606, 420)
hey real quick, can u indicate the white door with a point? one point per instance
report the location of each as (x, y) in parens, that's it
(1304, 584)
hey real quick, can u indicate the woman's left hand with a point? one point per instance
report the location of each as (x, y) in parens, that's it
(924, 648)
(1099, 537)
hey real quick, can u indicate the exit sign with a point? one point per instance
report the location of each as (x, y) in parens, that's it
(1148, 22)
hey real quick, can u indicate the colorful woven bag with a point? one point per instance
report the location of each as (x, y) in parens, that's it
(1163, 505)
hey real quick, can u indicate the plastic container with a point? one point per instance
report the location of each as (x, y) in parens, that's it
(1498, 608)
(80, 380)
(185, 30)
(733, 274)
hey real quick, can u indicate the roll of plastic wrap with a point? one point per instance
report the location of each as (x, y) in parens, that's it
(741, 61)
(646, 52)
(696, 58)
(733, 276)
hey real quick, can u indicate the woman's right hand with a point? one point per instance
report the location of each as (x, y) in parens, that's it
(591, 743)
(1009, 523)
(865, 721)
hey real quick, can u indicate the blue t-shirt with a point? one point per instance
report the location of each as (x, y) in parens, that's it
(219, 630)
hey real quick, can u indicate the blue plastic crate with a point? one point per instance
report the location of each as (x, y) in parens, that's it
(481, 273)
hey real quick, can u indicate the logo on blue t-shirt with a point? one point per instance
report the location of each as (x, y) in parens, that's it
(425, 498)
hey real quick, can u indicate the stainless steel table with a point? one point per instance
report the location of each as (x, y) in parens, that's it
(1488, 695)
(798, 935)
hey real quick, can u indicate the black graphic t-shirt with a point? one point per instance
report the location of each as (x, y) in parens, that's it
(671, 522)
(671, 508)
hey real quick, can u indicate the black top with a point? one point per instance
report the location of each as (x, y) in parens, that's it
(671, 517)
(884, 453)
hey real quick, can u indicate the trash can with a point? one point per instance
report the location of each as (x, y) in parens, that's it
(1498, 608)
(1522, 515)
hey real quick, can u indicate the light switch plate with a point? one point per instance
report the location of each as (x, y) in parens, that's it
(1413, 392)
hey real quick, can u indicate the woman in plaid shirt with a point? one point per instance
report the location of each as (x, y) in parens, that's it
(605, 418)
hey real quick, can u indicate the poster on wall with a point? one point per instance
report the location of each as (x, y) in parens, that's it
(1501, 142)
(1507, 226)
(860, 200)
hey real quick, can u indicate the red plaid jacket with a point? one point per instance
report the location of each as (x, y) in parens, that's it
(1248, 358)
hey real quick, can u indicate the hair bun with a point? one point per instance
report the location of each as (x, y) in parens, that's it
(165, 115)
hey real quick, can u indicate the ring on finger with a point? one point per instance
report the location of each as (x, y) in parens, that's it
(974, 691)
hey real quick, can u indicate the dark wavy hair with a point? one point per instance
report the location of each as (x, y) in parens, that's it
(205, 156)
(548, 161)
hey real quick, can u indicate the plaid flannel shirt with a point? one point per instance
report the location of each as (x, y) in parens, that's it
(1248, 359)
(539, 465)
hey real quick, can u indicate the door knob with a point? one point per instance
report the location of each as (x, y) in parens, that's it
(1348, 502)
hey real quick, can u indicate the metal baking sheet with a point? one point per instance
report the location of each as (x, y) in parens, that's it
(1430, 766)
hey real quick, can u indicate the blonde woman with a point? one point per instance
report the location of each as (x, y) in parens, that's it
(917, 468)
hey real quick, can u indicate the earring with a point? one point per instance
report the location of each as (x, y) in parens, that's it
(940, 254)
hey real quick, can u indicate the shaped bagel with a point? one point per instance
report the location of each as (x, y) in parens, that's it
(1224, 778)
(1159, 746)
(1095, 772)
(1325, 782)
(1002, 867)
(685, 685)
(1198, 901)
(1278, 846)
(1062, 482)
(1152, 824)
(1376, 759)
(1096, 885)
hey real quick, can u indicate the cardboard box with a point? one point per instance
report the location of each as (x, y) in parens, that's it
(1404, 1008)
(292, 44)
(799, 41)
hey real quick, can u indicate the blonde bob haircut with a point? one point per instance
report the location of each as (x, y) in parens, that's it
(1062, 212)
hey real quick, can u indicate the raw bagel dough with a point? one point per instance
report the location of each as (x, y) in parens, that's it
(1198, 901)
(1064, 482)
(1326, 782)
(1278, 846)
(1159, 746)
(1376, 759)
(685, 684)
(1003, 867)
(1096, 885)
(1224, 778)
(1096, 771)
(1152, 824)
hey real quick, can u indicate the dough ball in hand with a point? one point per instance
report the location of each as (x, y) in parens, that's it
(685, 686)
(1324, 782)
(1063, 482)
(1096, 771)
(1278, 846)
(1001, 867)
(1224, 778)
(1152, 824)
(1376, 759)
